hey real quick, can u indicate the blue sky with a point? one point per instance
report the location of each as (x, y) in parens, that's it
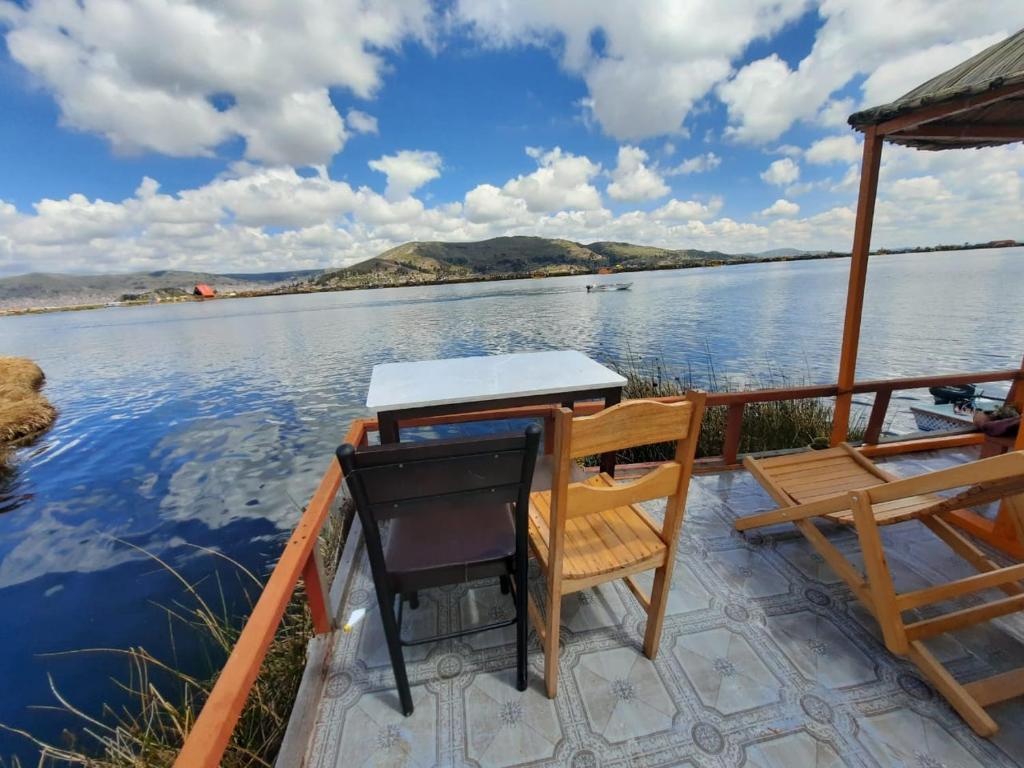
(157, 134)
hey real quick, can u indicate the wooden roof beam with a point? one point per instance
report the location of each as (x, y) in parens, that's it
(970, 131)
(928, 114)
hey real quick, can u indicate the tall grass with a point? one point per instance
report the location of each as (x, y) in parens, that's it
(771, 426)
(163, 702)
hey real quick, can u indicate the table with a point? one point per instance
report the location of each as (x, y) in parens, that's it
(401, 391)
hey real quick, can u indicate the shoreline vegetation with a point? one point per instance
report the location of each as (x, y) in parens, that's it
(25, 413)
(163, 700)
(382, 272)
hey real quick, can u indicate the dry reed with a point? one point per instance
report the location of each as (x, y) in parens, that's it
(24, 412)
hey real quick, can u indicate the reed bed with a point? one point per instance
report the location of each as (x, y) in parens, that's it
(163, 701)
(773, 426)
(24, 411)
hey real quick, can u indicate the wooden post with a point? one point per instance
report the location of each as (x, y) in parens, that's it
(858, 276)
(316, 592)
(733, 430)
(877, 420)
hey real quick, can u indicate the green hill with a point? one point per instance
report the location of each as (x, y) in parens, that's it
(428, 262)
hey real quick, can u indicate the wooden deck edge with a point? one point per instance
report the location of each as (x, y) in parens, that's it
(295, 745)
(302, 720)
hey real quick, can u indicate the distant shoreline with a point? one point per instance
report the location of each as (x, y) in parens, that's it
(306, 288)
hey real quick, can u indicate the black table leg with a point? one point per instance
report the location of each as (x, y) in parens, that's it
(612, 397)
(387, 426)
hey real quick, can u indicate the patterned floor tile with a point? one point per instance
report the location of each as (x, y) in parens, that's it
(505, 727)
(905, 739)
(766, 660)
(623, 695)
(374, 733)
(796, 749)
(725, 671)
(820, 650)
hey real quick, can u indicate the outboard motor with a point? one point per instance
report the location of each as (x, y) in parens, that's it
(958, 394)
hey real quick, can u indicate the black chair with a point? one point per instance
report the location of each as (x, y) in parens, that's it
(458, 511)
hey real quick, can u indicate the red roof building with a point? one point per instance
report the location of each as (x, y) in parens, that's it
(203, 290)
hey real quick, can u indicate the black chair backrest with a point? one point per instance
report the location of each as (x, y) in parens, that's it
(393, 480)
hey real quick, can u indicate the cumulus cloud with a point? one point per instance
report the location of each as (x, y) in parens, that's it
(633, 179)
(562, 181)
(182, 78)
(407, 171)
(897, 44)
(688, 210)
(781, 207)
(834, 149)
(656, 60)
(360, 122)
(781, 172)
(697, 164)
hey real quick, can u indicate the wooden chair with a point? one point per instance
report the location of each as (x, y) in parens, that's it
(844, 487)
(586, 533)
(458, 512)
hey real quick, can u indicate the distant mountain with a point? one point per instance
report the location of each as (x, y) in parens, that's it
(428, 262)
(42, 289)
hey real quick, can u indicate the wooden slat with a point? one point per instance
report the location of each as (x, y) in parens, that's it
(942, 442)
(969, 709)
(985, 470)
(922, 630)
(642, 597)
(966, 549)
(937, 594)
(587, 498)
(632, 423)
(992, 690)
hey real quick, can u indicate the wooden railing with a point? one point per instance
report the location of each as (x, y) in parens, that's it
(211, 733)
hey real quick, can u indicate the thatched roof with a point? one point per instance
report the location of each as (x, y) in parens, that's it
(994, 70)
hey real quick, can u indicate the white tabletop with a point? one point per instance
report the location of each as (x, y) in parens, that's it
(395, 386)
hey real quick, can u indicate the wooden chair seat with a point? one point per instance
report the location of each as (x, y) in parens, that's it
(843, 486)
(825, 474)
(617, 539)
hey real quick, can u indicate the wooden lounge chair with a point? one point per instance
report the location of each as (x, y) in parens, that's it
(843, 486)
(587, 533)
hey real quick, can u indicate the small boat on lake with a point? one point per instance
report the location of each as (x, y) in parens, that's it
(954, 407)
(597, 287)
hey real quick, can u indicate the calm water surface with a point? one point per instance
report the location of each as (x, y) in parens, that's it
(209, 424)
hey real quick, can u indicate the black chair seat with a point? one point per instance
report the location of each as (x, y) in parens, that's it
(449, 542)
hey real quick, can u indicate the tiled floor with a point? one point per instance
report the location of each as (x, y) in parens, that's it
(766, 660)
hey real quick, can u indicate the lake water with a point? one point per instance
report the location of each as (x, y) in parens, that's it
(209, 424)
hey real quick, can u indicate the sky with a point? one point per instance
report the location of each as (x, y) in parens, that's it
(265, 135)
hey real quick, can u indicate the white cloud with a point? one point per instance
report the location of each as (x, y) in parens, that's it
(781, 207)
(360, 122)
(633, 179)
(658, 57)
(182, 78)
(834, 149)
(262, 219)
(407, 171)
(896, 43)
(696, 164)
(688, 210)
(562, 182)
(781, 172)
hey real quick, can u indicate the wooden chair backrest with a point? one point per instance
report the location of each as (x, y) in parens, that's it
(984, 481)
(627, 425)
